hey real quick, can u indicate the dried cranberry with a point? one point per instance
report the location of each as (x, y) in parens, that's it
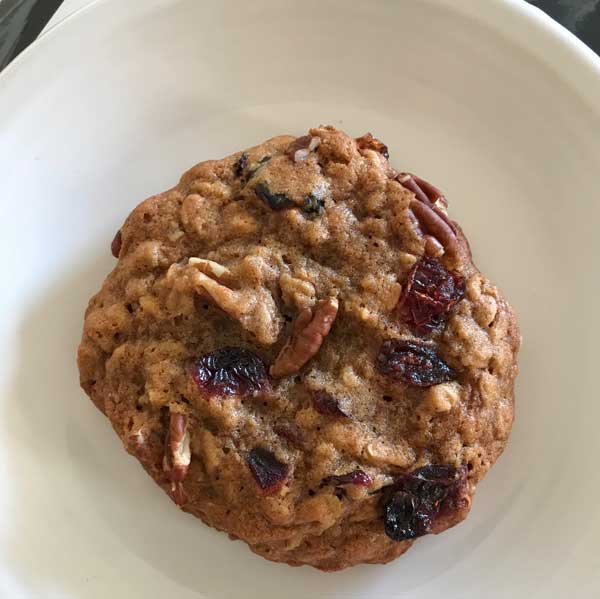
(419, 497)
(268, 471)
(413, 363)
(358, 478)
(241, 164)
(429, 295)
(230, 371)
(276, 201)
(403, 517)
(326, 404)
(431, 483)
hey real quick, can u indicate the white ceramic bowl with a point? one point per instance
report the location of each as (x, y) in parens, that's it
(491, 100)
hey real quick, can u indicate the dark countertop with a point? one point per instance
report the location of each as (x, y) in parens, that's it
(21, 21)
(582, 17)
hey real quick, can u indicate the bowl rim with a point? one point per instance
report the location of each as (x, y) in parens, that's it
(533, 30)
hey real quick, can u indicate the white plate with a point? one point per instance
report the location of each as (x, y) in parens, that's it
(488, 99)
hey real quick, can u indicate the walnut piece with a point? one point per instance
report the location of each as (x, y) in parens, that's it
(310, 328)
(178, 455)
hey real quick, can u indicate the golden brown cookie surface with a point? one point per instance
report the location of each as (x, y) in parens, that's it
(297, 347)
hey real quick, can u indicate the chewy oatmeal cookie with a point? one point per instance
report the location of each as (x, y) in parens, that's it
(297, 347)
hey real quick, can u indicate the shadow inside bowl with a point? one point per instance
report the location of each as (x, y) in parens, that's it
(110, 506)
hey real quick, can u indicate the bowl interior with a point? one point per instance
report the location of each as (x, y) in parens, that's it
(115, 104)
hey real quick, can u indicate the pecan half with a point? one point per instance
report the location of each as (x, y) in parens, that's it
(368, 142)
(434, 224)
(434, 194)
(310, 328)
(429, 210)
(178, 455)
(428, 194)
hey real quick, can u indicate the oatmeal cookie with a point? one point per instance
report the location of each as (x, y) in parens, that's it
(297, 347)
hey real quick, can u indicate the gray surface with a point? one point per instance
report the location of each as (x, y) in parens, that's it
(582, 17)
(13, 15)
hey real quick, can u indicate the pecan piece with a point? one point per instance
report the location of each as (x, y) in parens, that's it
(429, 210)
(310, 328)
(301, 147)
(255, 309)
(368, 142)
(178, 456)
(434, 194)
(115, 246)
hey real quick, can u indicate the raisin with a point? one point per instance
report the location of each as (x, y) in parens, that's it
(413, 503)
(313, 205)
(326, 404)
(413, 363)
(230, 371)
(276, 201)
(357, 477)
(267, 470)
(430, 294)
(115, 246)
(241, 164)
(404, 519)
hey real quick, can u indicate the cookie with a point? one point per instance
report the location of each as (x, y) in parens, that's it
(297, 347)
